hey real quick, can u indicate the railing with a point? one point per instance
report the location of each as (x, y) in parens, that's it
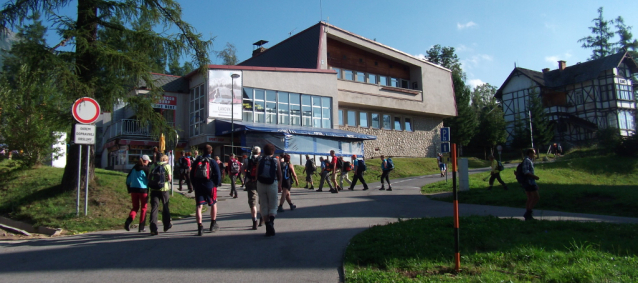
(128, 127)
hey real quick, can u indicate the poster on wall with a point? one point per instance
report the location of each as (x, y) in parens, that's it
(223, 96)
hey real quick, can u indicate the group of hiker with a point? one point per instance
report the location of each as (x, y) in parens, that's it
(264, 177)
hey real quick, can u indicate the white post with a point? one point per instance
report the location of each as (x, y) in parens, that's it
(86, 185)
(77, 202)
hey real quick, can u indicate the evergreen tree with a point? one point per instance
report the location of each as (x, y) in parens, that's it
(445, 57)
(463, 126)
(626, 40)
(600, 41)
(491, 128)
(96, 67)
(228, 55)
(542, 130)
(174, 68)
(521, 138)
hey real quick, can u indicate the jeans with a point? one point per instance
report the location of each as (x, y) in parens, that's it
(156, 197)
(497, 176)
(233, 180)
(325, 175)
(185, 175)
(140, 200)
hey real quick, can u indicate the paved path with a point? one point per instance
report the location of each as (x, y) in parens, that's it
(309, 245)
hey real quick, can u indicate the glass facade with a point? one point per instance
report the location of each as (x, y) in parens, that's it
(284, 108)
(197, 110)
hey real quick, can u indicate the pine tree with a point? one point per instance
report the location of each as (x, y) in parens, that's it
(521, 138)
(626, 41)
(463, 126)
(98, 68)
(542, 130)
(600, 41)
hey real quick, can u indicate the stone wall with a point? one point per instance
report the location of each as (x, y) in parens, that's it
(423, 142)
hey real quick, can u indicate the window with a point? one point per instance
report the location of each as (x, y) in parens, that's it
(295, 109)
(623, 92)
(397, 123)
(361, 77)
(363, 119)
(338, 72)
(387, 122)
(408, 124)
(260, 106)
(348, 75)
(306, 111)
(248, 105)
(326, 109)
(340, 117)
(352, 120)
(394, 82)
(316, 111)
(197, 110)
(283, 111)
(283, 108)
(375, 120)
(383, 80)
(405, 84)
(372, 78)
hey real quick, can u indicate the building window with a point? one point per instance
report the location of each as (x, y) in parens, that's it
(295, 109)
(394, 82)
(260, 106)
(348, 75)
(375, 120)
(326, 109)
(372, 79)
(338, 72)
(340, 117)
(197, 110)
(361, 77)
(306, 111)
(387, 122)
(408, 124)
(283, 108)
(397, 123)
(248, 105)
(405, 84)
(316, 111)
(383, 80)
(352, 120)
(363, 119)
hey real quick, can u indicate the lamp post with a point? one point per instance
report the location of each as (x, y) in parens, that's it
(232, 113)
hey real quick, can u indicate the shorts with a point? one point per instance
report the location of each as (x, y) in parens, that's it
(204, 195)
(442, 166)
(251, 188)
(286, 184)
(528, 187)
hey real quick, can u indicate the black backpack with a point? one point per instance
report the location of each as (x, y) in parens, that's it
(519, 174)
(362, 166)
(183, 163)
(339, 163)
(234, 166)
(267, 170)
(202, 169)
(157, 178)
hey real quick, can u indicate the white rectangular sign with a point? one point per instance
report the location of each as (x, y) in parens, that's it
(224, 94)
(84, 134)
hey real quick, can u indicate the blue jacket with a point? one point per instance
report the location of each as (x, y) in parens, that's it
(137, 179)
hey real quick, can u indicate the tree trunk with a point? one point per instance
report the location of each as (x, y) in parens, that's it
(86, 65)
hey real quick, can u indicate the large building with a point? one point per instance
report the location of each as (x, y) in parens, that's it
(324, 88)
(578, 99)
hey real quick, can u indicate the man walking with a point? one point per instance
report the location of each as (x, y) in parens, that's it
(495, 174)
(251, 183)
(385, 169)
(309, 170)
(233, 169)
(325, 174)
(345, 168)
(359, 168)
(206, 178)
(184, 171)
(159, 180)
(529, 183)
(333, 169)
(439, 158)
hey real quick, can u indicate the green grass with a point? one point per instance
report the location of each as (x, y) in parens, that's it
(494, 250)
(597, 184)
(35, 196)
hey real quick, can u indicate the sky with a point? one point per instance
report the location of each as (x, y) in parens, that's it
(490, 36)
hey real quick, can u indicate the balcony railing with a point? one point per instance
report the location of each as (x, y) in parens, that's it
(128, 127)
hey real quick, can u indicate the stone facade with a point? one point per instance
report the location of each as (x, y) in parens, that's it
(423, 142)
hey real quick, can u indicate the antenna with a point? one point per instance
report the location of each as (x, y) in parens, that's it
(290, 33)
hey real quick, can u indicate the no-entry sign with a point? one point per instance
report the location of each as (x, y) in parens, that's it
(85, 110)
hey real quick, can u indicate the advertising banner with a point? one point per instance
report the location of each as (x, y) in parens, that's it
(223, 96)
(167, 102)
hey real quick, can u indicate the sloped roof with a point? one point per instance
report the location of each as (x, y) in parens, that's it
(573, 74)
(169, 83)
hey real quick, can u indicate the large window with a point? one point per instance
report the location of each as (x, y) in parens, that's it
(397, 123)
(197, 110)
(352, 119)
(283, 108)
(340, 117)
(623, 92)
(363, 119)
(363, 77)
(375, 120)
(387, 122)
(408, 124)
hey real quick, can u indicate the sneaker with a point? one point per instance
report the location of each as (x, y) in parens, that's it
(389, 189)
(351, 189)
(154, 233)
(214, 227)
(319, 190)
(382, 189)
(292, 206)
(280, 209)
(365, 189)
(166, 228)
(127, 224)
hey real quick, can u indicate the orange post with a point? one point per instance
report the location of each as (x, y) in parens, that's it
(457, 254)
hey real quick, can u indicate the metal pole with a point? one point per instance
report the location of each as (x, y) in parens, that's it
(172, 171)
(457, 254)
(77, 202)
(86, 185)
(232, 116)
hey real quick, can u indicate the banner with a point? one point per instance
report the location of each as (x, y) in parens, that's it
(221, 100)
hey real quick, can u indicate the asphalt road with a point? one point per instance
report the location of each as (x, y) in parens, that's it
(308, 247)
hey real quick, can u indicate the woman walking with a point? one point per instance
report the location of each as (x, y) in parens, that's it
(288, 172)
(268, 185)
(137, 185)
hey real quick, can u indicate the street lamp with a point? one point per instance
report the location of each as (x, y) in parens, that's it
(232, 114)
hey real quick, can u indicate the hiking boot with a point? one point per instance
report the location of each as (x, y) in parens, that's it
(319, 190)
(312, 187)
(255, 225)
(127, 223)
(306, 186)
(382, 189)
(339, 188)
(351, 189)
(231, 193)
(235, 195)
(154, 233)
(365, 189)
(269, 229)
(261, 222)
(280, 209)
(190, 191)
(292, 206)
(141, 228)
(200, 227)
(334, 191)
(169, 226)
(214, 227)
(389, 189)
(180, 189)
(528, 215)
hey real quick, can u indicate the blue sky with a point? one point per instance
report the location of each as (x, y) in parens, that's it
(489, 36)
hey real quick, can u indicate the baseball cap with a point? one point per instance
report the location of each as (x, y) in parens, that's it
(146, 158)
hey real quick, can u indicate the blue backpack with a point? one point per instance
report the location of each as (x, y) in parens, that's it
(267, 170)
(285, 168)
(389, 165)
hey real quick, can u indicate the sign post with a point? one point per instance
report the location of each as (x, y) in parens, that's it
(86, 111)
(457, 254)
(445, 145)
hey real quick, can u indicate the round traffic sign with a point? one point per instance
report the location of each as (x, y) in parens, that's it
(85, 110)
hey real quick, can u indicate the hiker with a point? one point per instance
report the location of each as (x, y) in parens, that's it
(251, 184)
(156, 155)
(287, 174)
(206, 177)
(439, 158)
(528, 181)
(346, 167)
(309, 170)
(159, 182)
(359, 168)
(268, 186)
(325, 174)
(194, 156)
(232, 170)
(242, 170)
(221, 165)
(559, 150)
(496, 173)
(137, 185)
(184, 171)
(386, 167)
(333, 169)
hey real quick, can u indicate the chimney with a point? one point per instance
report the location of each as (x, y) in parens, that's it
(561, 65)
(259, 51)
(545, 70)
(258, 47)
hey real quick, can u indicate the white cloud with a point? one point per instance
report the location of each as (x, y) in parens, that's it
(463, 48)
(556, 58)
(475, 60)
(550, 26)
(469, 24)
(420, 56)
(476, 82)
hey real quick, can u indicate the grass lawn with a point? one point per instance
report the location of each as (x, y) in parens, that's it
(576, 183)
(34, 196)
(494, 250)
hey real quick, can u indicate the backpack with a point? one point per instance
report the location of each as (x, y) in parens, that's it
(202, 169)
(183, 162)
(328, 165)
(311, 168)
(285, 170)
(268, 170)
(519, 174)
(347, 166)
(157, 178)
(339, 163)
(133, 178)
(362, 166)
(252, 167)
(234, 167)
(500, 166)
(389, 164)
